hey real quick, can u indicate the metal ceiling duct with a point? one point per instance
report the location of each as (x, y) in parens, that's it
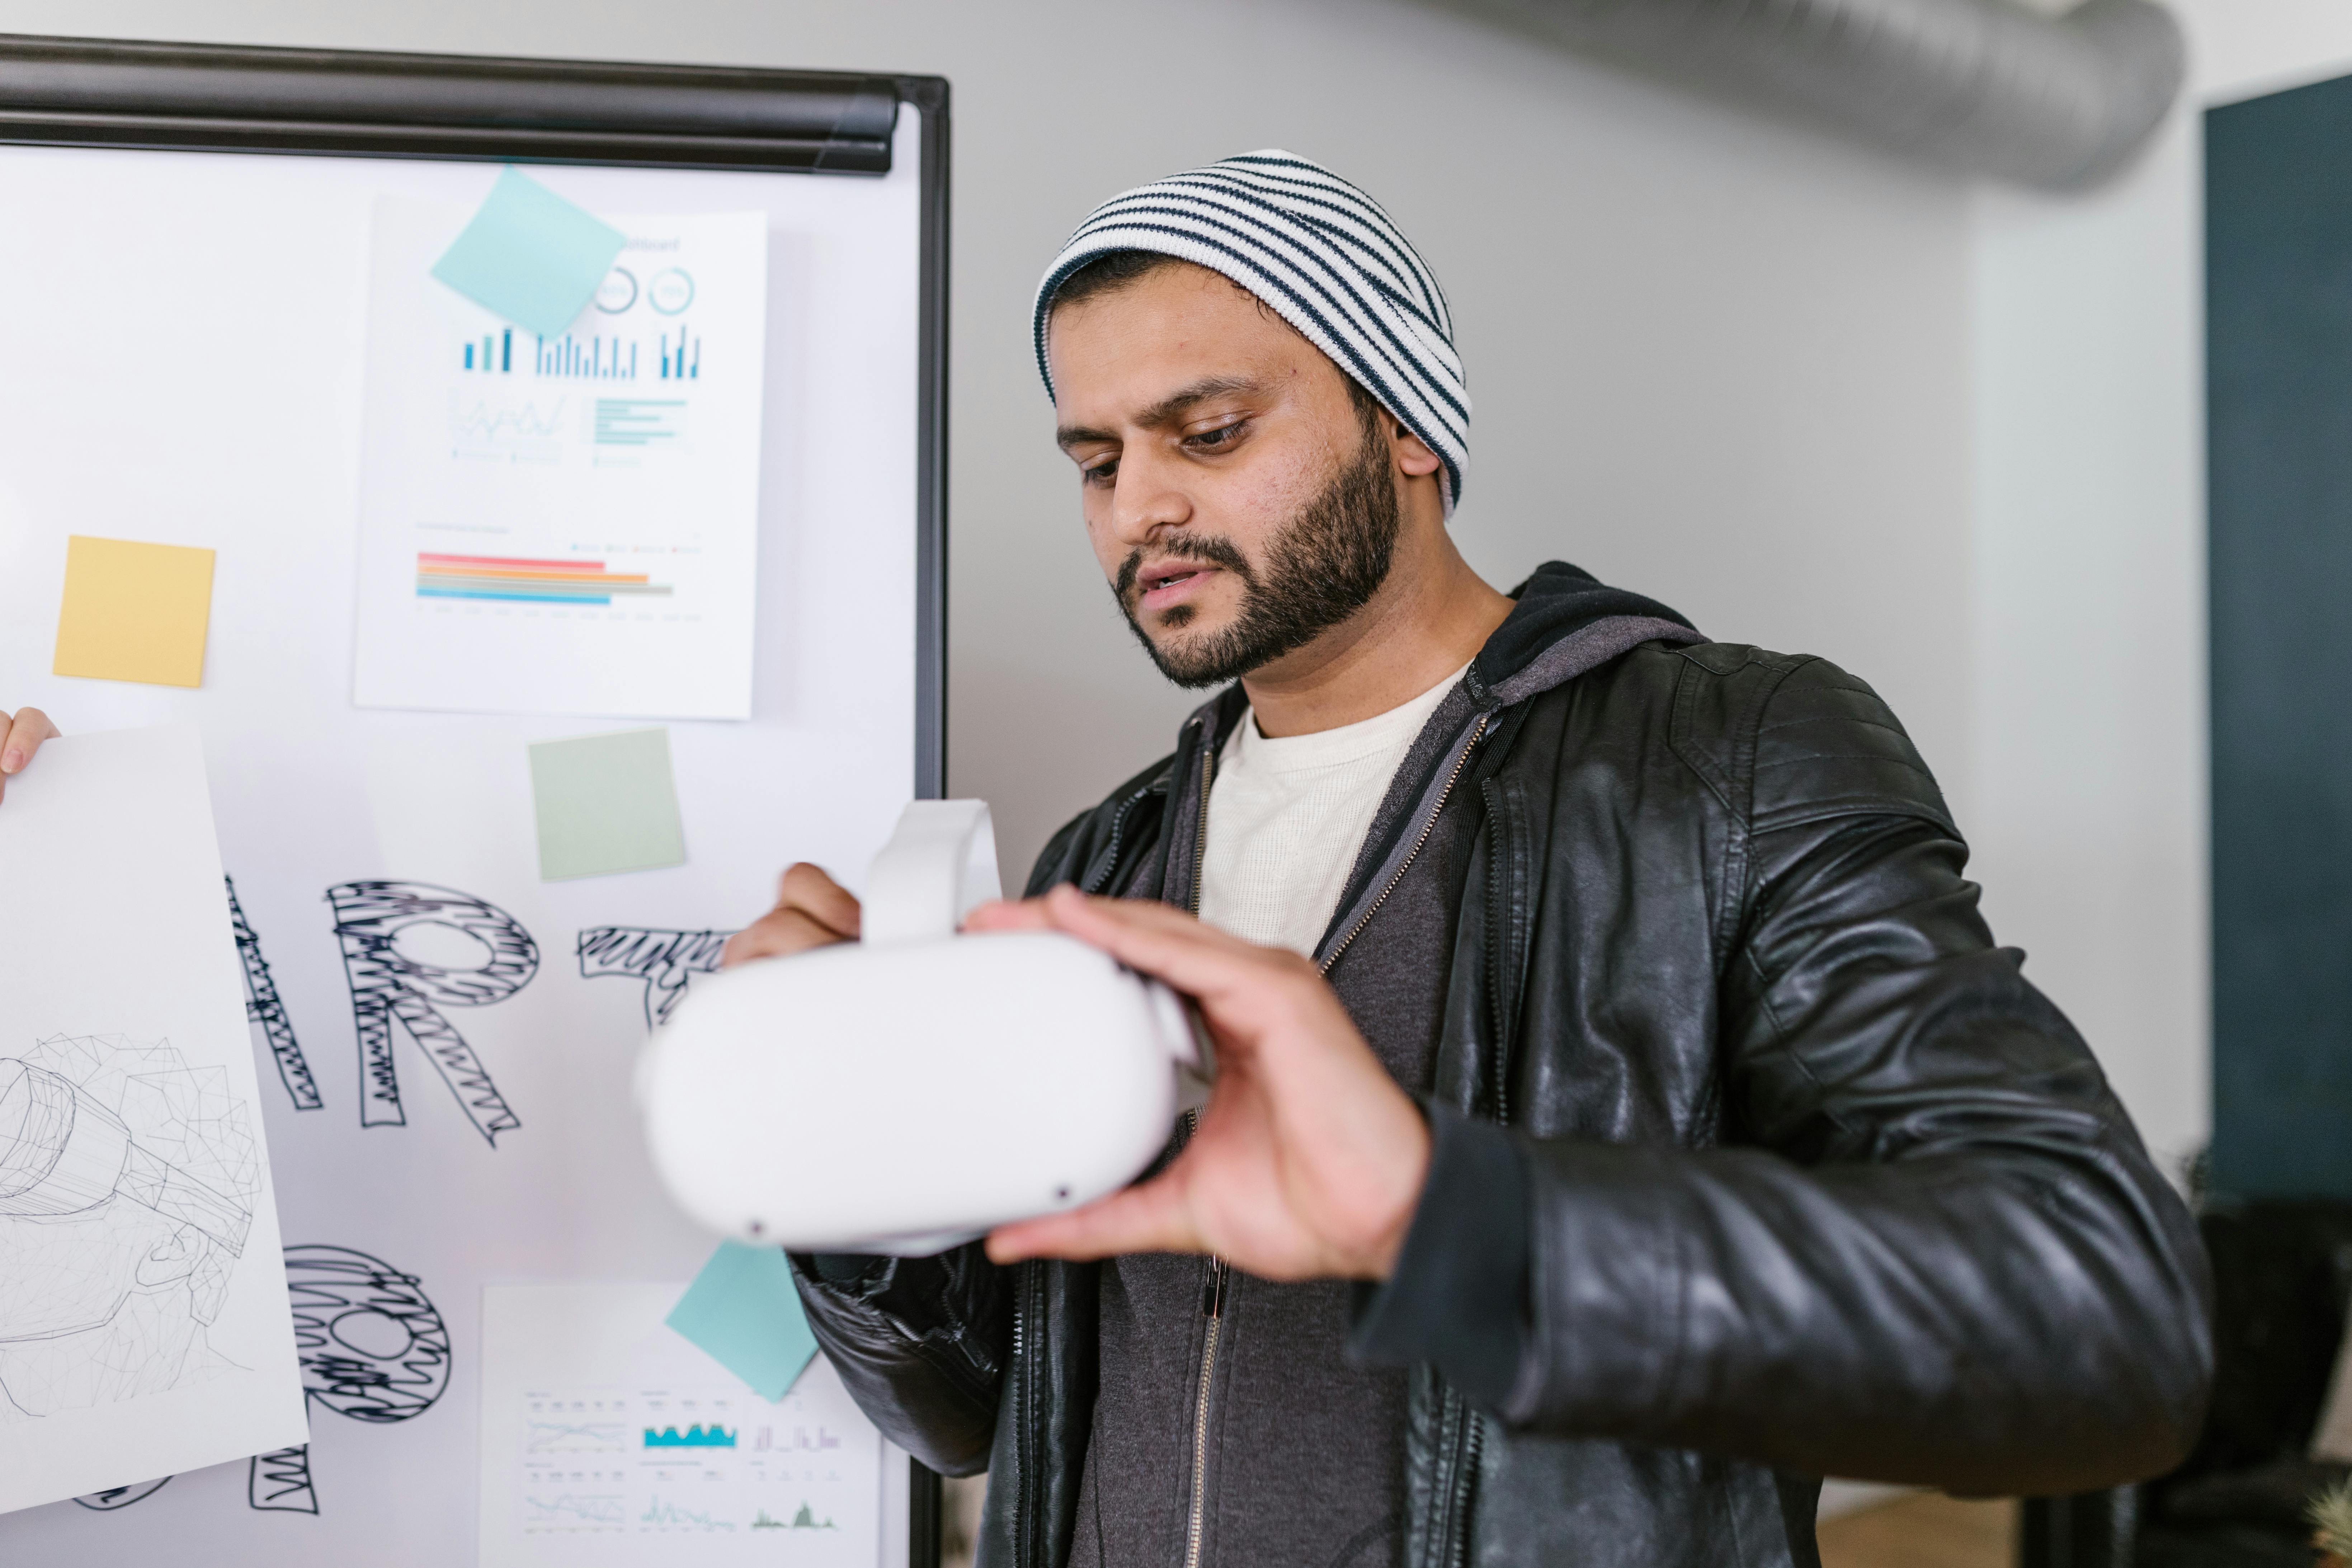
(1988, 87)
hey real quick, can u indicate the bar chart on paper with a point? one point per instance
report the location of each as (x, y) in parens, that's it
(567, 522)
(513, 579)
(671, 355)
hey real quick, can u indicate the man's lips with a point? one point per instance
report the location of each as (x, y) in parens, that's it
(1170, 583)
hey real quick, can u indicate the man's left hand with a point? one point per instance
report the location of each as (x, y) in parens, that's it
(1308, 1159)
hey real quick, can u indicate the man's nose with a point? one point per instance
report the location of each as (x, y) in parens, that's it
(1149, 496)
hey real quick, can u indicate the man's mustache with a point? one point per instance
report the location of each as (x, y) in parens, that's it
(1206, 547)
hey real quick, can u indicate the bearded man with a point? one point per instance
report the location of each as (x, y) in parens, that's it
(1624, 1117)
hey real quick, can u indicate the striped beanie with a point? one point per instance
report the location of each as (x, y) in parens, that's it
(1323, 256)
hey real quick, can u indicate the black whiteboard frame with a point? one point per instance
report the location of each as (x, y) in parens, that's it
(207, 98)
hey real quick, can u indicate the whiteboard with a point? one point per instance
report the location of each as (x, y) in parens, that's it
(184, 335)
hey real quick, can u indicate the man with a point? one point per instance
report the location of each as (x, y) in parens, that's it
(1624, 1117)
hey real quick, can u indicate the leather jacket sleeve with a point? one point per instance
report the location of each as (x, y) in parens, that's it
(1930, 1248)
(920, 1344)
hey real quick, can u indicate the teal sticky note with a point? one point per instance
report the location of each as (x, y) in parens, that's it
(531, 256)
(743, 1312)
(605, 803)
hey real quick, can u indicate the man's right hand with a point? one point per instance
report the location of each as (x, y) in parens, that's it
(811, 911)
(22, 734)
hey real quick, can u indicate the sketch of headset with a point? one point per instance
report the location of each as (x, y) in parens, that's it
(62, 1152)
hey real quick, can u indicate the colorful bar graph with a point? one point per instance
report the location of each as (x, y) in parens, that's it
(598, 358)
(521, 581)
(681, 360)
(491, 355)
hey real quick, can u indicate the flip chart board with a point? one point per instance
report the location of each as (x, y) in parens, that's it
(445, 549)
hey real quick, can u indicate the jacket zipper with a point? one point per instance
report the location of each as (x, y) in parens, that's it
(1464, 1481)
(1499, 940)
(1213, 1289)
(1212, 1307)
(1455, 1548)
(1428, 826)
(1018, 1372)
(1118, 832)
(1200, 820)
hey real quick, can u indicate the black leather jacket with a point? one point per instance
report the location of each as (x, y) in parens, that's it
(1805, 1178)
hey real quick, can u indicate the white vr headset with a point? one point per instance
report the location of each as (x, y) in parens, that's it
(910, 1091)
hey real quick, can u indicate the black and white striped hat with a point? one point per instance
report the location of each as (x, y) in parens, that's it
(1320, 252)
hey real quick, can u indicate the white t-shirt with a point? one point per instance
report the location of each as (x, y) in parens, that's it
(1287, 818)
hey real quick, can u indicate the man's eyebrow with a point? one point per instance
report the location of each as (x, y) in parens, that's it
(1166, 412)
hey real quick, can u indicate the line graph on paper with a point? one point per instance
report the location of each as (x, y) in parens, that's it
(512, 429)
(662, 1514)
(576, 1438)
(575, 1511)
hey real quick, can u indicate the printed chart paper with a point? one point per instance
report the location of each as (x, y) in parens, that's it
(566, 523)
(607, 1439)
(144, 1327)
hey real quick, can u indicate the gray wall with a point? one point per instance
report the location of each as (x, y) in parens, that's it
(1721, 362)
(2089, 799)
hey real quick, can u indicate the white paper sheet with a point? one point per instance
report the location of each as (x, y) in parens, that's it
(607, 1439)
(563, 525)
(144, 1327)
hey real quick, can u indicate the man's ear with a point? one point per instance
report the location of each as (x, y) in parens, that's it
(1413, 454)
(173, 1258)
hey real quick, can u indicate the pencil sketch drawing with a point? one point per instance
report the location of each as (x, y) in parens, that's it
(374, 1348)
(263, 1007)
(664, 960)
(409, 951)
(126, 1185)
(113, 1497)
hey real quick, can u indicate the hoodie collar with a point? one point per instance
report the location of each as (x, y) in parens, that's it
(1566, 621)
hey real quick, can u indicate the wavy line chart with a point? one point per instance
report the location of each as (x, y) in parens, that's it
(576, 1438)
(565, 1509)
(663, 1514)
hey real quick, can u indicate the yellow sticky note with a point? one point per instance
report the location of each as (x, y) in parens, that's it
(134, 611)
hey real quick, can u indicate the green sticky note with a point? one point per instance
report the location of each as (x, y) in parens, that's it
(605, 803)
(743, 1312)
(531, 256)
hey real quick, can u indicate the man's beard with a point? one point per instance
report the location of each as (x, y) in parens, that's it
(1321, 569)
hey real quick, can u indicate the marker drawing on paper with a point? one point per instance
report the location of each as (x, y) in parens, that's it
(374, 1348)
(411, 949)
(664, 960)
(263, 1007)
(127, 1183)
(113, 1497)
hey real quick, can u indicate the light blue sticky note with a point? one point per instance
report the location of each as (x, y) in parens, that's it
(531, 256)
(742, 1312)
